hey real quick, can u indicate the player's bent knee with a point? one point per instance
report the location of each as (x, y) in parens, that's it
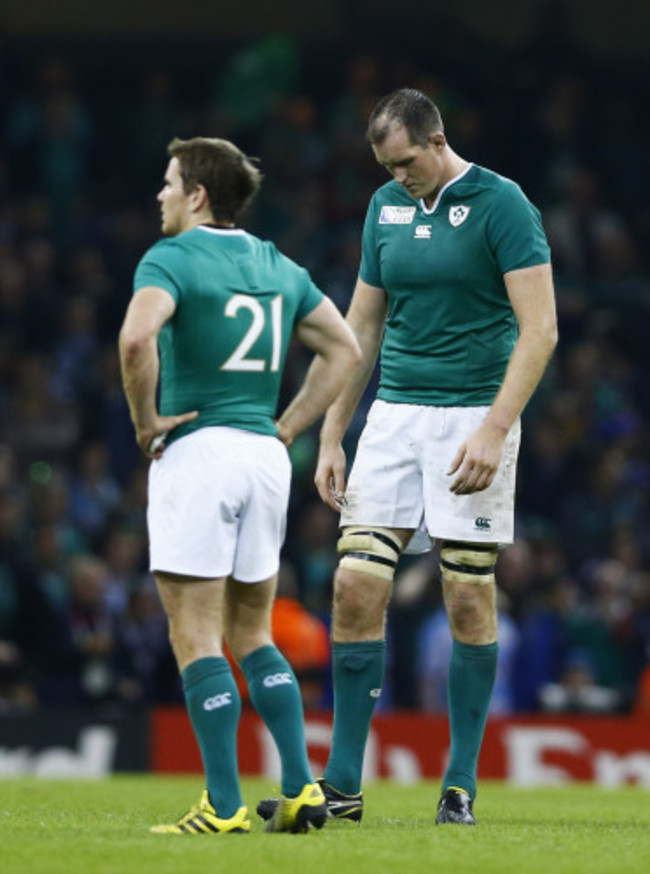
(468, 562)
(368, 550)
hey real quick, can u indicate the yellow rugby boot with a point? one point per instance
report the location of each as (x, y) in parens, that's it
(298, 814)
(339, 805)
(203, 820)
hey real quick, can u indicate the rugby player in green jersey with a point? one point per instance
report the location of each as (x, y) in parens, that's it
(212, 315)
(455, 293)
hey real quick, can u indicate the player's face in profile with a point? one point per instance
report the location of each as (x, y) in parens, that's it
(173, 200)
(418, 169)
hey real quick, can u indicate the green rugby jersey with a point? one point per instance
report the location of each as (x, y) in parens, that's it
(223, 351)
(450, 328)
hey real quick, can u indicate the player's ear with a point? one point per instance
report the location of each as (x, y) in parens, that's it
(437, 140)
(199, 198)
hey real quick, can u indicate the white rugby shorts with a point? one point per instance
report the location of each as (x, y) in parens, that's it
(218, 504)
(399, 477)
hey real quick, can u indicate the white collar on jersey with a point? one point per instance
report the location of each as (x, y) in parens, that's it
(226, 231)
(429, 210)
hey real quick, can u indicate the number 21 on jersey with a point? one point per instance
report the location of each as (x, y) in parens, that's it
(239, 359)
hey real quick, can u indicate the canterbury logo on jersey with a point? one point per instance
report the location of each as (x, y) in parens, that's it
(277, 680)
(375, 693)
(458, 214)
(422, 232)
(396, 215)
(217, 701)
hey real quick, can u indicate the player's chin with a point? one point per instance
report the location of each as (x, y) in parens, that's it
(167, 228)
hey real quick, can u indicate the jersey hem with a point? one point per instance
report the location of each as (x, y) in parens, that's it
(435, 400)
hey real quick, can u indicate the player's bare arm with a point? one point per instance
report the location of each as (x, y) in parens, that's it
(337, 354)
(366, 317)
(148, 311)
(531, 295)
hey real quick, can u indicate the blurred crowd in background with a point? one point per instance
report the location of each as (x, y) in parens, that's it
(82, 155)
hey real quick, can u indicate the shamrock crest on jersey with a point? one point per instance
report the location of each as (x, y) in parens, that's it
(458, 214)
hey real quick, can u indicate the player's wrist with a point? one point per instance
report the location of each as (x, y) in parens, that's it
(328, 448)
(497, 426)
(330, 437)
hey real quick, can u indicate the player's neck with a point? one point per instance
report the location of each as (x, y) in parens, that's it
(454, 166)
(206, 220)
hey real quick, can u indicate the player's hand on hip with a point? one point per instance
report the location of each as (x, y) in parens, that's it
(284, 435)
(476, 463)
(330, 476)
(151, 439)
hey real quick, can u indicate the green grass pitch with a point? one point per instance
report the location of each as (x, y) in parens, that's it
(101, 827)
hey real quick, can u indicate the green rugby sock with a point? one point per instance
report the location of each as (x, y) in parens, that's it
(358, 673)
(276, 696)
(214, 705)
(472, 670)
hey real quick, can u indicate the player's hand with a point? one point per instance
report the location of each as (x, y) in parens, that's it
(330, 476)
(151, 438)
(477, 461)
(284, 435)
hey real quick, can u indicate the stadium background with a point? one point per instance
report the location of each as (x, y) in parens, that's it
(554, 95)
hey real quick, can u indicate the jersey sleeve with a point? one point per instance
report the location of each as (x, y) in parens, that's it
(515, 231)
(311, 297)
(160, 267)
(369, 271)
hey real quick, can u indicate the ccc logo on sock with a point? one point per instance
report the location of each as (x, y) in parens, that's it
(277, 680)
(217, 701)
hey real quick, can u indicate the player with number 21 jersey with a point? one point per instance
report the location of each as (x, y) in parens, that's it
(237, 299)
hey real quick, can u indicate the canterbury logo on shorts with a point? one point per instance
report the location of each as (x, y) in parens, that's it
(217, 701)
(277, 680)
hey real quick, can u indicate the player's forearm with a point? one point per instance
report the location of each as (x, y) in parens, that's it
(324, 381)
(526, 367)
(140, 369)
(341, 411)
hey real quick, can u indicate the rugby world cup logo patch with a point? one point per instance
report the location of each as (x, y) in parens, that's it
(458, 214)
(396, 215)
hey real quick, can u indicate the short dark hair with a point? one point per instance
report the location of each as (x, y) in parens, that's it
(229, 177)
(408, 108)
